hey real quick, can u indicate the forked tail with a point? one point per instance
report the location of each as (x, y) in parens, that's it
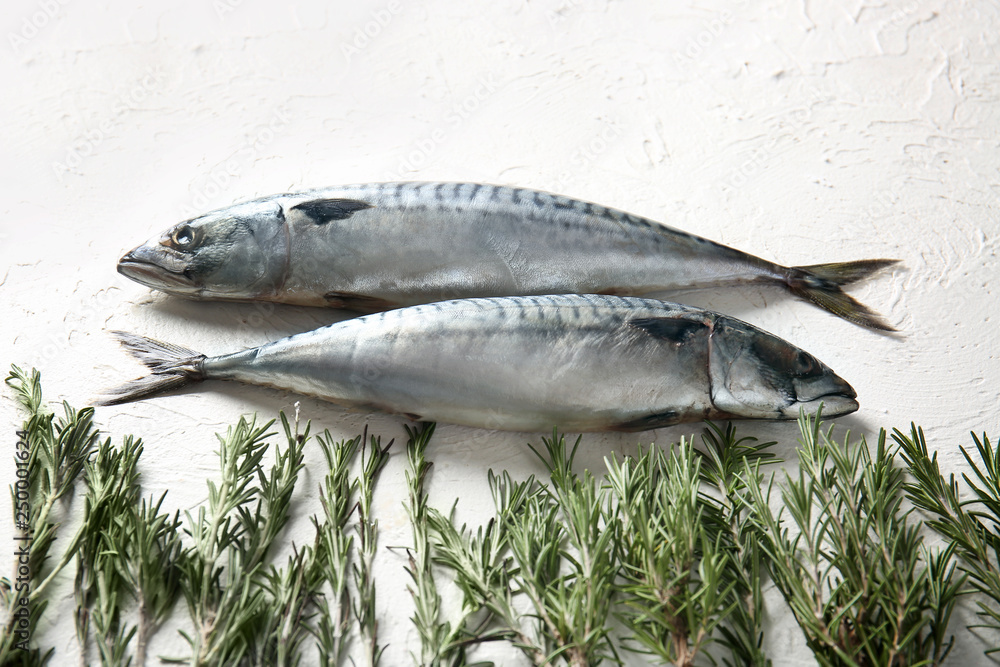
(822, 283)
(173, 366)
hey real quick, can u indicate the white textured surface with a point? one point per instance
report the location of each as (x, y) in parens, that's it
(799, 131)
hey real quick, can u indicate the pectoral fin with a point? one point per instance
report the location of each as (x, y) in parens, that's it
(649, 422)
(673, 329)
(322, 211)
(358, 302)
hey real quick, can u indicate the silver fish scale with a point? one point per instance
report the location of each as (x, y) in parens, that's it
(601, 310)
(422, 242)
(532, 361)
(451, 196)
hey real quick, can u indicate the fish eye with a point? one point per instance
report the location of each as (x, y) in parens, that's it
(183, 237)
(803, 363)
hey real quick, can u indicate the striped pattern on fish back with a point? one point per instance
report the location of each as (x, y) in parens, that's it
(484, 316)
(530, 204)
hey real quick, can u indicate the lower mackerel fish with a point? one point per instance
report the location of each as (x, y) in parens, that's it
(582, 363)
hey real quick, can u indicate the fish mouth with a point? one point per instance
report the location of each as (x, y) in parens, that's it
(837, 398)
(138, 266)
(834, 405)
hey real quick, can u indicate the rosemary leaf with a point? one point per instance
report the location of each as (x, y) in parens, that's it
(970, 526)
(373, 459)
(57, 450)
(857, 577)
(218, 570)
(338, 497)
(731, 464)
(675, 557)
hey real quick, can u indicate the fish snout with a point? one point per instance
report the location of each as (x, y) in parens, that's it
(155, 267)
(830, 390)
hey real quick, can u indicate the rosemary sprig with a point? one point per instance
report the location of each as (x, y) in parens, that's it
(291, 592)
(566, 560)
(970, 526)
(441, 642)
(435, 635)
(483, 567)
(675, 559)
(222, 570)
(731, 465)
(57, 450)
(373, 459)
(153, 552)
(858, 579)
(101, 583)
(549, 544)
(334, 546)
(288, 592)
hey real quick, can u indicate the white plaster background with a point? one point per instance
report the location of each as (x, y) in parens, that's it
(799, 131)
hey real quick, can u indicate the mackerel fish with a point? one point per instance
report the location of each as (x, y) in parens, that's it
(578, 362)
(374, 247)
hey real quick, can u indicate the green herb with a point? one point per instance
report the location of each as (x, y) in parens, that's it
(57, 450)
(152, 562)
(288, 592)
(970, 526)
(435, 635)
(373, 460)
(562, 558)
(232, 538)
(674, 542)
(732, 465)
(687, 559)
(483, 567)
(674, 558)
(858, 579)
(101, 583)
(441, 642)
(334, 547)
(567, 560)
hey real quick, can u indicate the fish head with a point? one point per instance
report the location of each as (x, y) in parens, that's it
(757, 375)
(236, 253)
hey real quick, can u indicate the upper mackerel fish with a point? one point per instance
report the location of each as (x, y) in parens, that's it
(379, 246)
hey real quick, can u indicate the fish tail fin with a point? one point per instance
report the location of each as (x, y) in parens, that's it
(822, 284)
(173, 366)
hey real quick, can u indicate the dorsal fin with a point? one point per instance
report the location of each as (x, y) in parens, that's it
(673, 329)
(323, 211)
